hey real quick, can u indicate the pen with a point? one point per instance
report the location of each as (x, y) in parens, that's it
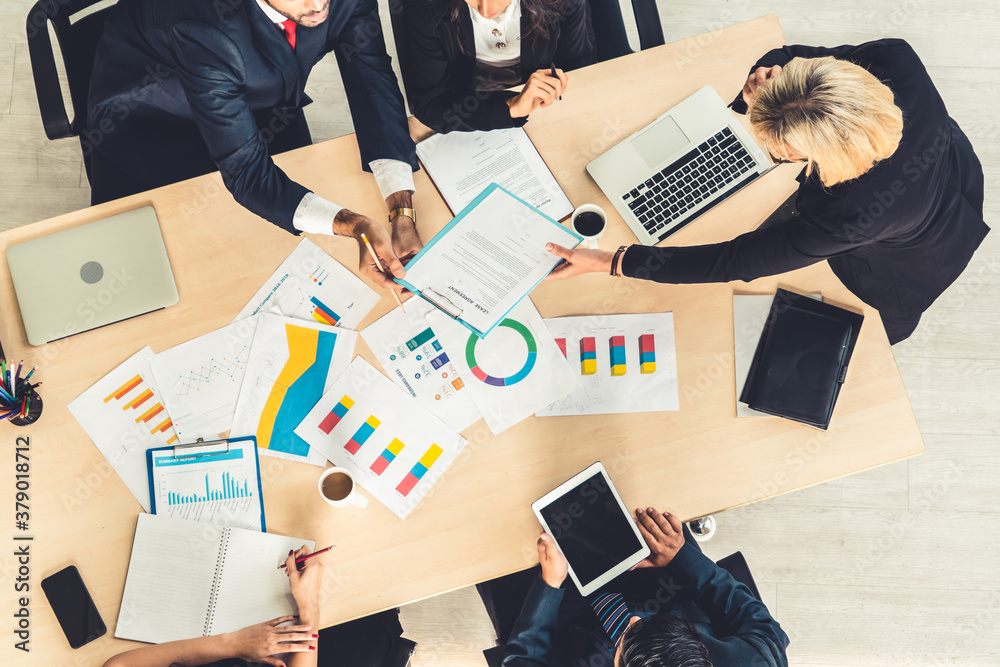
(299, 561)
(377, 263)
(554, 75)
(17, 375)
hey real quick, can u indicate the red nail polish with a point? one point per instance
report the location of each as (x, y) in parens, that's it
(291, 551)
(315, 636)
(312, 648)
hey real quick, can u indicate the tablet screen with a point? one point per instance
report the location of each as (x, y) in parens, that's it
(592, 531)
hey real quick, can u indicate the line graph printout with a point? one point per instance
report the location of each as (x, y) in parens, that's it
(626, 364)
(310, 285)
(201, 379)
(395, 447)
(292, 363)
(123, 414)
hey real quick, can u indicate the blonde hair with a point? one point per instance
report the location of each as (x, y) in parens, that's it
(837, 115)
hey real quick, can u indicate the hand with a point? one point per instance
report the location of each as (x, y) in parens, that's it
(305, 582)
(663, 533)
(578, 262)
(259, 642)
(540, 90)
(389, 264)
(761, 75)
(554, 564)
(405, 240)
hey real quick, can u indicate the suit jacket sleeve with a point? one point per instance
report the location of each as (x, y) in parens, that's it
(441, 99)
(372, 90)
(805, 239)
(530, 642)
(213, 76)
(744, 633)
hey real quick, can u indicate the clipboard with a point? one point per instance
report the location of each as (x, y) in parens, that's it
(445, 304)
(204, 452)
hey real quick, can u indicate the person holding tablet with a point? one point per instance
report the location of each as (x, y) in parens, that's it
(676, 607)
(461, 56)
(891, 194)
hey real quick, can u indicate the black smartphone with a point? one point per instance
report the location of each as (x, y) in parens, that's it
(74, 608)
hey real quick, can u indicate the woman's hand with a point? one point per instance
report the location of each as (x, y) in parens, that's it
(578, 262)
(555, 567)
(305, 579)
(540, 90)
(259, 642)
(758, 77)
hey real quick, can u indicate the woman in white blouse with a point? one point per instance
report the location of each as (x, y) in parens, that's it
(461, 56)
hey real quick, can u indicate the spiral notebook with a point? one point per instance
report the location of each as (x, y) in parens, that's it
(190, 579)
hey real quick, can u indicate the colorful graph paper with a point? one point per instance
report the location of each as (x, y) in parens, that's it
(387, 456)
(617, 349)
(362, 434)
(418, 470)
(647, 354)
(588, 356)
(338, 412)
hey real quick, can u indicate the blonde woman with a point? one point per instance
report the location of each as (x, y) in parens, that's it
(891, 194)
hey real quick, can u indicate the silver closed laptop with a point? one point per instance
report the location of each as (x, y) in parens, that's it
(91, 276)
(679, 166)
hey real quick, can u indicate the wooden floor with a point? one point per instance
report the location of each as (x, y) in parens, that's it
(896, 566)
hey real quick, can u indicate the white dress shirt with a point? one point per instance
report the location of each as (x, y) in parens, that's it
(314, 215)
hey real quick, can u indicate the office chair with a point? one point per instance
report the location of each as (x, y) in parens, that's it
(735, 564)
(78, 37)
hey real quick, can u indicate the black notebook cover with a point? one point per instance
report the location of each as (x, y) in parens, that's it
(801, 360)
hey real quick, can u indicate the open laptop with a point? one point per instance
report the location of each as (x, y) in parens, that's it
(679, 166)
(92, 275)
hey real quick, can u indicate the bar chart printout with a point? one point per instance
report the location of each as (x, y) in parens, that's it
(218, 485)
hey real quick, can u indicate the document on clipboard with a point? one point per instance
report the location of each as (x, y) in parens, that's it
(215, 482)
(487, 259)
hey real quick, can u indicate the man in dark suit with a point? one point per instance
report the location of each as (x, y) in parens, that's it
(676, 608)
(181, 88)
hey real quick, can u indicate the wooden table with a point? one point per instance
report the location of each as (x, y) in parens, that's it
(475, 524)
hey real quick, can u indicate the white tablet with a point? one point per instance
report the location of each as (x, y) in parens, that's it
(592, 527)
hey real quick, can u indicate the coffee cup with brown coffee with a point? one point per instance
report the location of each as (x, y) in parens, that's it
(339, 489)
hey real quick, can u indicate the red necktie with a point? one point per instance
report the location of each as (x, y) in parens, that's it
(290, 27)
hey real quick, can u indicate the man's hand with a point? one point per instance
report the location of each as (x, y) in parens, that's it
(554, 564)
(259, 642)
(663, 533)
(405, 240)
(540, 90)
(758, 77)
(578, 262)
(348, 223)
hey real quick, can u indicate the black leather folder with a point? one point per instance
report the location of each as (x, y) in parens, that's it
(801, 360)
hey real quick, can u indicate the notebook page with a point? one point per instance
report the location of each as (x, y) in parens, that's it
(251, 589)
(169, 581)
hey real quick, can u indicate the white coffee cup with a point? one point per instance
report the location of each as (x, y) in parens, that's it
(340, 493)
(591, 239)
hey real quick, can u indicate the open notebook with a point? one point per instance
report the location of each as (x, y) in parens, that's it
(190, 579)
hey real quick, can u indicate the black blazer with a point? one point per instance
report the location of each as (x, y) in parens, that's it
(439, 70)
(896, 237)
(165, 64)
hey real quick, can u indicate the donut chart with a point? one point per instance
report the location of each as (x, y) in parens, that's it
(529, 363)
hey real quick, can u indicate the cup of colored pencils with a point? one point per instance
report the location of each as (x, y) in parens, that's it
(20, 404)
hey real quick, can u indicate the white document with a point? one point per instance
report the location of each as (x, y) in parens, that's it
(292, 364)
(311, 285)
(462, 164)
(516, 370)
(217, 483)
(414, 357)
(749, 317)
(626, 363)
(123, 413)
(487, 259)
(395, 448)
(201, 379)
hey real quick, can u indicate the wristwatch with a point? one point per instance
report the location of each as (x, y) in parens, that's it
(408, 212)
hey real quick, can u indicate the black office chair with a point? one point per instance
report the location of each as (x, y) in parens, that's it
(609, 27)
(735, 564)
(78, 37)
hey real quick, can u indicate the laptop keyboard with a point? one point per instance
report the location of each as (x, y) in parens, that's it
(673, 192)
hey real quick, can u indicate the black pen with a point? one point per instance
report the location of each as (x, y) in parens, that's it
(554, 75)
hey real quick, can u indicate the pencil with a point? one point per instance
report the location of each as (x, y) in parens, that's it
(299, 561)
(371, 251)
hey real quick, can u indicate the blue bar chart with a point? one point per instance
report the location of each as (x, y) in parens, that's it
(227, 489)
